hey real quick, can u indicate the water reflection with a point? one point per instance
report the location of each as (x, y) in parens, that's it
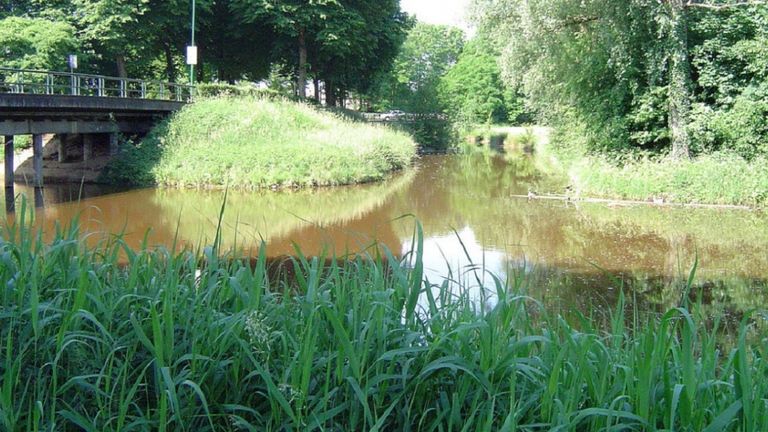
(471, 214)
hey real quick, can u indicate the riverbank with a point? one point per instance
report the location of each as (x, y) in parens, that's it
(252, 143)
(708, 179)
(176, 341)
(712, 179)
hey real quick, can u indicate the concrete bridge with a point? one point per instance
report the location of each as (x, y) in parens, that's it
(88, 108)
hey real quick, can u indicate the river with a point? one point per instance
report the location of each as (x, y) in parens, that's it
(473, 215)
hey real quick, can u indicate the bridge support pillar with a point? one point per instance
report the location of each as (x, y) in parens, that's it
(37, 158)
(87, 147)
(62, 147)
(8, 161)
(113, 146)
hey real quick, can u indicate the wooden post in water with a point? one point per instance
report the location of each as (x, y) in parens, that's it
(9, 161)
(37, 158)
(113, 146)
(87, 147)
(62, 148)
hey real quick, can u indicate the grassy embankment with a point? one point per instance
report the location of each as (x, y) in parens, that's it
(154, 345)
(718, 178)
(250, 143)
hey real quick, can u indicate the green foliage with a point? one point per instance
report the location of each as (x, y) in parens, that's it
(197, 341)
(426, 56)
(245, 142)
(472, 89)
(209, 90)
(348, 42)
(614, 69)
(36, 43)
(715, 179)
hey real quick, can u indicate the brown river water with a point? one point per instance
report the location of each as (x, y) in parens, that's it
(469, 206)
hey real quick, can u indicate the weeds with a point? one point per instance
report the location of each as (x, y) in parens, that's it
(202, 340)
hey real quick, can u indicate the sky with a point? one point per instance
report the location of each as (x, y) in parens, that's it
(451, 12)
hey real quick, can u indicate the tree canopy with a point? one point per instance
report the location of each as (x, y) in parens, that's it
(637, 74)
(343, 43)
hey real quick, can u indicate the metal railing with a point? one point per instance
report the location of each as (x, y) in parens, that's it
(402, 117)
(27, 81)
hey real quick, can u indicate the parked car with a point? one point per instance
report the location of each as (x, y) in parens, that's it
(392, 115)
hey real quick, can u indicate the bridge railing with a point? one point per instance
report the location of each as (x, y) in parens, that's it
(28, 81)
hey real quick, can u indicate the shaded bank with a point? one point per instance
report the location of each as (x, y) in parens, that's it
(252, 143)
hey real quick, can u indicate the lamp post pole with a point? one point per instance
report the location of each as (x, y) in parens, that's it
(192, 44)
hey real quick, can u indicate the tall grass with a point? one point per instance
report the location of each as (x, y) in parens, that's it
(251, 143)
(720, 178)
(201, 340)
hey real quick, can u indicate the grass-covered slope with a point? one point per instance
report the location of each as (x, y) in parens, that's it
(255, 143)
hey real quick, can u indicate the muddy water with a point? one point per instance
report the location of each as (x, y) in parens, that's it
(471, 212)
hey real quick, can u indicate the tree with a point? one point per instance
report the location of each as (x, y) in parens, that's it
(426, 56)
(472, 90)
(35, 43)
(303, 21)
(610, 65)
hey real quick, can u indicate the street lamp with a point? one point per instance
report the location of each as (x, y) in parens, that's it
(192, 49)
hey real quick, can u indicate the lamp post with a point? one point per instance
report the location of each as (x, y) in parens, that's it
(192, 49)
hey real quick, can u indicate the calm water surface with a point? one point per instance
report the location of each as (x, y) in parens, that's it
(470, 214)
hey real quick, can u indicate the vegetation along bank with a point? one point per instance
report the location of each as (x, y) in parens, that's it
(169, 343)
(251, 142)
(649, 100)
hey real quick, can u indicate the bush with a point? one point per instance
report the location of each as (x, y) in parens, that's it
(210, 90)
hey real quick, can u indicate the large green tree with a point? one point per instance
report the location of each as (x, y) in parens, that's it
(609, 65)
(427, 54)
(35, 43)
(473, 90)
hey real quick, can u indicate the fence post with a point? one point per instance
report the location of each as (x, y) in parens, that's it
(143, 89)
(101, 87)
(162, 91)
(123, 88)
(49, 84)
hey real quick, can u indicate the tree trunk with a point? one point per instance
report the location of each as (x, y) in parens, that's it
(170, 66)
(317, 89)
(330, 94)
(121, 70)
(301, 82)
(679, 81)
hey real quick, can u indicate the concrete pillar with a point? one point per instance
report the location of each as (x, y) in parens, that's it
(8, 161)
(113, 147)
(10, 199)
(37, 159)
(62, 148)
(87, 147)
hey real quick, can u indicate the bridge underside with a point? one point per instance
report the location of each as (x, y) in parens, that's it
(71, 118)
(22, 114)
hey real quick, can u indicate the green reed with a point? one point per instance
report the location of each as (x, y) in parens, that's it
(200, 340)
